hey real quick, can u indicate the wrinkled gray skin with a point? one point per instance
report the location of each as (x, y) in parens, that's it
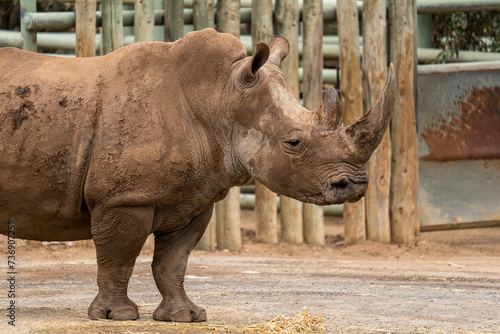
(146, 139)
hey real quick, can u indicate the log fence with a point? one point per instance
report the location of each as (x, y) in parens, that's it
(352, 102)
(374, 67)
(228, 220)
(312, 86)
(286, 18)
(390, 212)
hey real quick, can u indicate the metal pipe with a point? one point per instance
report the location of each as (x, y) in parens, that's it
(329, 75)
(454, 68)
(460, 226)
(29, 37)
(54, 20)
(448, 6)
(65, 20)
(423, 6)
(425, 55)
(11, 38)
(63, 41)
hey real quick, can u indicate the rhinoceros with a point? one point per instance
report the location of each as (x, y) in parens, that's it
(147, 138)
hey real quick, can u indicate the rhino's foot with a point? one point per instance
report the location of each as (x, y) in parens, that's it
(179, 312)
(101, 309)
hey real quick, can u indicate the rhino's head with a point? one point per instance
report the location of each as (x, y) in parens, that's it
(307, 155)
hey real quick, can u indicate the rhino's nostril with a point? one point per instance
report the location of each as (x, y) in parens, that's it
(341, 184)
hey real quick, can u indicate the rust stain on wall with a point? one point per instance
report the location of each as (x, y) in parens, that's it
(472, 134)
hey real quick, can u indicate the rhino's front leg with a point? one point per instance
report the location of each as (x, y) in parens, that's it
(118, 234)
(169, 267)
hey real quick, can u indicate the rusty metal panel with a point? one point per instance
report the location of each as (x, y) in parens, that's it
(458, 120)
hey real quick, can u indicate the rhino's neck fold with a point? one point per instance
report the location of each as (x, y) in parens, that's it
(212, 137)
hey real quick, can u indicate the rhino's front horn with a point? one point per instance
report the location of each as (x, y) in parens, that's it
(329, 115)
(365, 135)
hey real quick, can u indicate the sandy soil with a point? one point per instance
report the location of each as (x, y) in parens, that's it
(448, 283)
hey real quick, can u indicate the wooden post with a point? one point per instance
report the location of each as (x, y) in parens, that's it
(262, 21)
(228, 16)
(286, 14)
(266, 203)
(203, 14)
(203, 18)
(228, 222)
(352, 102)
(112, 25)
(85, 28)
(374, 65)
(207, 241)
(266, 211)
(29, 36)
(144, 20)
(174, 20)
(404, 178)
(312, 18)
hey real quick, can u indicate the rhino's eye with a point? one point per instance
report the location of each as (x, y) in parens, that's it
(293, 143)
(292, 146)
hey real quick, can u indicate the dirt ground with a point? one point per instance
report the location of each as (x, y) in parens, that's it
(449, 282)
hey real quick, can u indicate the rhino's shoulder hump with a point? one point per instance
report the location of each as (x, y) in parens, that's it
(5, 52)
(211, 42)
(11, 52)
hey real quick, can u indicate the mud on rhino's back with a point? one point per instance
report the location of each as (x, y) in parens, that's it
(47, 116)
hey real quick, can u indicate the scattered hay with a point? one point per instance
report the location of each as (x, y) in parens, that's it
(301, 323)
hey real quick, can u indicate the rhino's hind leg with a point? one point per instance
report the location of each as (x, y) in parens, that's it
(118, 234)
(169, 267)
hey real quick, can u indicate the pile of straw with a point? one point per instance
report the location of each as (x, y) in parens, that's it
(301, 323)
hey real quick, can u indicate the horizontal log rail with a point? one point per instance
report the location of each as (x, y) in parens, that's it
(331, 51)
(448, 6)
(460, 226)
(65, 20)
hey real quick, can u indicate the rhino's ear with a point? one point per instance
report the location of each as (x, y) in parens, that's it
(248, 71)
(279, 47)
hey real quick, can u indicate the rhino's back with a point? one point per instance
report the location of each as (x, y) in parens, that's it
(47, 119)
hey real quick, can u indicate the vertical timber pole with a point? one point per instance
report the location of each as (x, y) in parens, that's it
(286, 13)
(266, 202)
(378, 227)
(29, 36)
(207, 241)
(203, 14)
(174, 20)
(228, 16)
(112, 25)
(85, 28)
(404, 177)
(228, 223)
(352, 102)
(144, 20)
(203, 17)
(312, 18)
